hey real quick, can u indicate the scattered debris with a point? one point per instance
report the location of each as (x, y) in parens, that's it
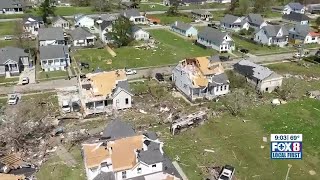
(142, 111)
(262, 147)
(312, 172)
(264, 139)
(276, 102)
(209, 150)
(193, 119)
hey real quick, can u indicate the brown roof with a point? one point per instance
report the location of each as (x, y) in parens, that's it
(153, 19)
(204, 66)
(169, 177)
(12, 160)
(123, 154)
(11, 177)
(94, 154)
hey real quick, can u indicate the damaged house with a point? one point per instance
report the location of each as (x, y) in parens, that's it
(123, 154)
(262, 78)
(201, 77)
(105, 91)
(13, 167)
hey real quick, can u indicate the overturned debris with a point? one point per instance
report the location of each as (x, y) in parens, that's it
(193, 119)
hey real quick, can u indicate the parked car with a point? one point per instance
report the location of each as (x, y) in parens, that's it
(75, 107)
(159, 77)
(66, 107)
(130, 72)
(224, 58)
(299, 55)
(25, 81)
(8, 37)
(226, 173)
(245, 51)
(85, 65)
(13, 99)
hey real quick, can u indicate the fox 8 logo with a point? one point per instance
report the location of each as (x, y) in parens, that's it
(286, 146)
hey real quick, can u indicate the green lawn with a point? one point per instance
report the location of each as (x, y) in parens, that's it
(295, 69)
(165, 20)
(7, 43)
(272, 14)
(68, 11)
(11, 16)
(157, 7)
(7, 28)
(171, 49)
(5, 80)
(52, 74)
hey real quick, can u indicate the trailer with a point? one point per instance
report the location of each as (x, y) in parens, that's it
(191, 120)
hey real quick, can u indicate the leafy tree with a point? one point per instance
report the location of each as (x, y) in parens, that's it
(318, 22)
(173, 10)
(233, 6)
(121, 31)
(46, 9)
(101, 5)
(244, 6)
(261, 6)
(136, 3)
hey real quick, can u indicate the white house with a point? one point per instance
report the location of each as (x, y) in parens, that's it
(272, 35)
(31, 25)
(123, 154)
(60, 21)
(13, 60)
(256, 21)
(81, 20)
(11, 6)
(54, 58)
(296, 18)
(303, 34)
(201, 14)
(104, 28)
(82, 37)
(51, 36)
(234, 23)
(262, 78)
(215, 39)
(184, 29)
(103, 92)
(139, 34)
(201, 77)
(293, 7)
(134, 16)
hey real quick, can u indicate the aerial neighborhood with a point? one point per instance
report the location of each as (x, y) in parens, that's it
(159, 90)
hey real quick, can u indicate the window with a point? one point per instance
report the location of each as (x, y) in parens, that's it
(139, 170)
(154, 165)
(225, 87)
(127, 100)
(220, 88)
(313, 38)
(124, 175)
(117, 101)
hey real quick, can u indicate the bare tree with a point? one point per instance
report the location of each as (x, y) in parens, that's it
(235, 102)
(287, 89)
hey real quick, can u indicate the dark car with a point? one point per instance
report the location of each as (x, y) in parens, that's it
(75, 107)
(224, 58)
(245, 51)
(159, 77)
(85, 65)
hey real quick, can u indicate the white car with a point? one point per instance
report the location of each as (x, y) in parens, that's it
(25, 80)
(13, 99)
(130, 72)
(66, 107)
(227, 173)
(8, 37)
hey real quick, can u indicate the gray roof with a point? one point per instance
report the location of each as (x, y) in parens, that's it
(215, 58)
(298, 17)
(10, 4)
(77, 17)
(211, 34)
(151, 135)
(105, 176)
(255, 19)
(138, 178)
(181, 25)
(53, 52)
(80, 33)
(301, 30)
(135, 28)
(108, 17)
(229, 19)
(105, 24)
(295, 5)
(130, 12)
(31, 19)
(12, 53)
(219, 79)
(168, 167)
(52, 33)
(56, 18)
(272, 30)
(117, 129)
(201, 11)
(152, 155)
(124, 85)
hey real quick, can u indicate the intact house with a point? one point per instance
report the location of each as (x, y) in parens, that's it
(272, 35)
(54, 58)
(184, 29)
(262, 78)
(104, 92)
(82, 37)
(201, 77)
(293, 7)
(134, 16)
(13, 60)
(31, 25)
(256, 21)
(11, 6)
(303, 34)
(201, 14)
(215, 39)
(296, 18)
(60, 21)
(121, 153)
(51, 36)
(81, 20)
(189, 2)
(313, 8)
(219, 1)
(104, 28)
(139, 34)
(234, 23)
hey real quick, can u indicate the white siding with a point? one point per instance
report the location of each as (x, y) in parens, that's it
(310, 39)
(119, 102)
(260, 37)
(270, 85)
(145, 170)
(141, 35)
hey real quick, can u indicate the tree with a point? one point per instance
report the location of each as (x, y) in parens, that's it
(244, 6)
(121, 31)
(82, 3)
(173, 9)
(235, 102)
(261, 6)
(136, 3)
(233, 6)
(101, 5)
(46, 9)
(318, 23)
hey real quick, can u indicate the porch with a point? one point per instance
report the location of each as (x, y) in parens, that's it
(139, 20)
(11, 69)
(97, 107)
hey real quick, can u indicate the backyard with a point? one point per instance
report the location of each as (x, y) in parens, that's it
(68, 11)
(5, 43)
(166, 20)
(7, 28)
(49, 75)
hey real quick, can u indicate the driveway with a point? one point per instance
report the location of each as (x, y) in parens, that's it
(29, 73)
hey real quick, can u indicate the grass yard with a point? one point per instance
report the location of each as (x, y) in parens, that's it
(217, 15)
(272, 14)
(165, 20)
(11, 16)
(52, 75)
(5, 43)
(171, 49)
(68, 11)
(204, 6)
(296, 69)
(7, 28)
(156, 7)
(6, 80)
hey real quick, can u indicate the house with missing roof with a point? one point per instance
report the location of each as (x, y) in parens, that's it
(134, 16)
(313, 8)
(11, 6)
(303, 34)
(82, 37)
(31, 25)
(139, 34)
(201, 14)
(215, 39)
(296, 18)
(262, 78)
(60, 21)
(201, 77)
(13, 167)
(184, 29)
(293, 7)
(51, 36)
(255, 21)
(104, 92)
(234, 23)
(54, 58)
(81, 20)
(123, 154)
(272, 35)
(13, 60)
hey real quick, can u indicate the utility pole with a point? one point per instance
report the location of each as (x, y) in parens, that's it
(289, 167)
